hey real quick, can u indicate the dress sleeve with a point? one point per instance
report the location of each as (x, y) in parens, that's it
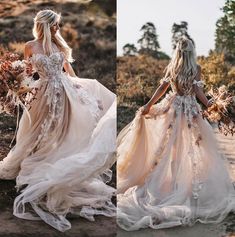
(165, 79)
(198, 83)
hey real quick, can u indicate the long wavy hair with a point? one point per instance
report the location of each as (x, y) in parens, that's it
(182, 68)
(41, 30)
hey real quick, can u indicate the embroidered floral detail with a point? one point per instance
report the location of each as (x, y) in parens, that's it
(188, 105)
(48, 66)
(94, 105)
(195, 156)
(159, 152)
(181, 104)
(51, 69)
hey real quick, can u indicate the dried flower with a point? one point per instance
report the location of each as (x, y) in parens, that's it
(222, 111)
(16, 82)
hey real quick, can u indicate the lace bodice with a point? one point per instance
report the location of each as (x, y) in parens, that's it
(48, 66)
(53, 80)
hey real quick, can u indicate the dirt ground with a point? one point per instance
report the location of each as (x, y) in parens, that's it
(224, 229)
(14, 227)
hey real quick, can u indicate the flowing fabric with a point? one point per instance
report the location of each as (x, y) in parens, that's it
(169, 168)
(62, 157)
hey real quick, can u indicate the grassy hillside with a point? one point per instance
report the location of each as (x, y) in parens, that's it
(138, 77)
(90, 29)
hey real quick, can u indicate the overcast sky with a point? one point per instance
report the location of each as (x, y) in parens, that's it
(201, 16)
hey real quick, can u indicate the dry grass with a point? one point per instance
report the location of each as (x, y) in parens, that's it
(216, 71)
(90, 29)
(137, 79)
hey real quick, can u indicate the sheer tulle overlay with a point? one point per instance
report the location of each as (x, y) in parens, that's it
(170, 171)
(64, 149)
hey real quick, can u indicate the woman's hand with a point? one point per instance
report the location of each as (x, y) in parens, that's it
(146, 109)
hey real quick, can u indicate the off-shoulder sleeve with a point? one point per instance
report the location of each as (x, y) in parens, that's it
(165, 79)
(198, 83)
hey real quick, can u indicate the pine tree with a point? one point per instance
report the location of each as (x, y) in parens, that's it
(225, 32)
(149, 39)
(179, 30)
(149, 42)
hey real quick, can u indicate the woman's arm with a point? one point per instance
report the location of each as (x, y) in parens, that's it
(199, 91)
(161, 90)
(68, 68)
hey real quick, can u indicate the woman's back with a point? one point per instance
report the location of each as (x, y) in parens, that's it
(184, 85)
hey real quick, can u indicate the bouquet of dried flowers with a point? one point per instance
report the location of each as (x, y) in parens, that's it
(16, 82)
(222, 110)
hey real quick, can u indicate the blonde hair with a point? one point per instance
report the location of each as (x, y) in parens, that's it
(41, 30)
(182, 68)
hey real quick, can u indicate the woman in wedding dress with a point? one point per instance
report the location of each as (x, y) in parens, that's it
(169, 169)
(64, 146)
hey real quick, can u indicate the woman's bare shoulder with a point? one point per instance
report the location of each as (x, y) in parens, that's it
(31, 43)
(29, 48)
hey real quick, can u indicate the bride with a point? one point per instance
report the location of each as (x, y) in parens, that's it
(65, 147)
(169, 169)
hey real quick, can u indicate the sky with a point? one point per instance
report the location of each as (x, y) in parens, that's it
(201, 16)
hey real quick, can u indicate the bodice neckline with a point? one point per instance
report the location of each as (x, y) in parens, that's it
(41, 54)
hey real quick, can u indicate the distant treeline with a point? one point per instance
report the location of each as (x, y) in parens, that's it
(224, 37)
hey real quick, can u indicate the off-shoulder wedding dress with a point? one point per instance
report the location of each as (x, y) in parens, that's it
(64, 149)
(169, 169)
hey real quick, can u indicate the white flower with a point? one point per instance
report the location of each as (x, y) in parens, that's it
(18, 63)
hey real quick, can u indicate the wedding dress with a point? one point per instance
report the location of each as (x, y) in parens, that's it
(64, 148)
(169, 169)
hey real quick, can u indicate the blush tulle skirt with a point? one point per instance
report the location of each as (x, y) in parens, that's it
(169, 169)
(63, 153)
